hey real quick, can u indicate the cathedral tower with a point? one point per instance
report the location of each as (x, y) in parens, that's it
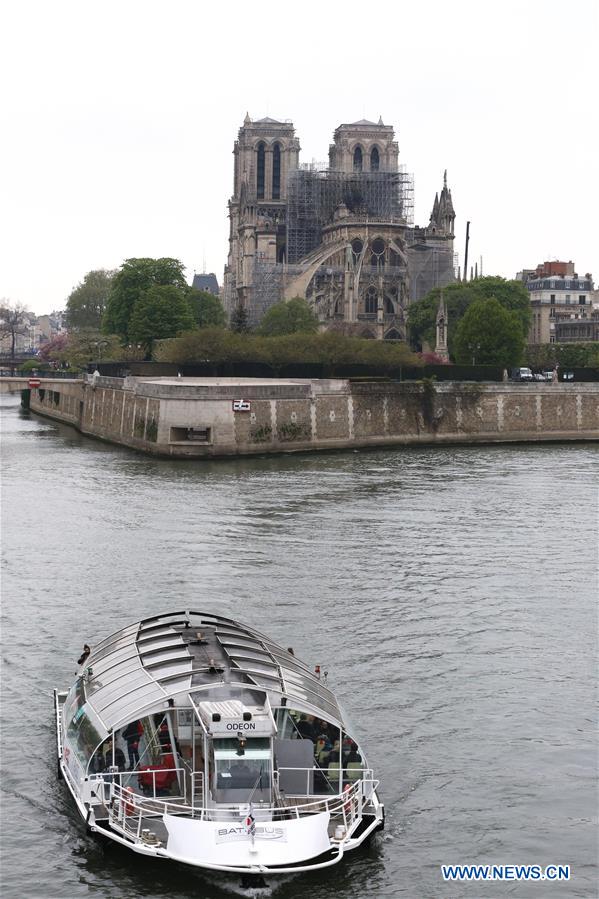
(265, 151)
(363, 147)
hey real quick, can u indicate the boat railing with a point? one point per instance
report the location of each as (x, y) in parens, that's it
(325, 781)
(154, 782)
(127, 809)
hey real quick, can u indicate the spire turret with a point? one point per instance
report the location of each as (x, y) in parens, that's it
(441, 326)
(443, 215)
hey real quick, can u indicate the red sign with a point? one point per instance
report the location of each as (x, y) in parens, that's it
(34, 382)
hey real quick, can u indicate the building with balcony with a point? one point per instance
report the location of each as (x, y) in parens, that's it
(557, 293)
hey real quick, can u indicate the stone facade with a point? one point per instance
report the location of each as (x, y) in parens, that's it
(341, 237)
(561, 303)
(192, 418)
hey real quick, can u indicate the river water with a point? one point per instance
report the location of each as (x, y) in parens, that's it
(451, 592)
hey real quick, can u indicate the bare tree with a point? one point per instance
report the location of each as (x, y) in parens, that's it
(14, 320)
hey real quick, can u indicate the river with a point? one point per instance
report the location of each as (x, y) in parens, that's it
(450, 592)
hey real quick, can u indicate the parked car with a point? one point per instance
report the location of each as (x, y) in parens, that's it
(522, 374)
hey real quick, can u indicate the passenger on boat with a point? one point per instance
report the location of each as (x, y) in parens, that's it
(119, 757)
(322, 749)
(306, 726)
(132, 734)
(325, 728)
(334, 753)
(353, 755)
(83, 657)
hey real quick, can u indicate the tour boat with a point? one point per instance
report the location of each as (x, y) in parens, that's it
(191, 737)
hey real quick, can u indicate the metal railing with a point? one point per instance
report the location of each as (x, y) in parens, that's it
(323, 774)
(151, 781)
(127, 808)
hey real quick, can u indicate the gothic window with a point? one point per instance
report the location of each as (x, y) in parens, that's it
(378, 252)
(260, 172)
(356, 246)
(374, 160)
(389, 309)
(276, 172)
(370, 301)
(358, 159)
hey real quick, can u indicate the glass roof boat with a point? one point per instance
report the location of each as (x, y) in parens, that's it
(191, 737)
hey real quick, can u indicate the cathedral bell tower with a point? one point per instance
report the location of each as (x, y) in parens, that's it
(364, 146)
(265, 152)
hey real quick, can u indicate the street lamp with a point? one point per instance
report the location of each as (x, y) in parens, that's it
(474, 348)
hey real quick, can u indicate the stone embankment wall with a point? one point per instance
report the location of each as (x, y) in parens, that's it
(195, 418)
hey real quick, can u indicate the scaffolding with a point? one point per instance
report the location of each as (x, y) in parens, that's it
(267, 289)
(315, 195)
(430, 266)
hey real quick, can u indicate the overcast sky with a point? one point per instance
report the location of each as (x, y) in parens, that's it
(119, 121)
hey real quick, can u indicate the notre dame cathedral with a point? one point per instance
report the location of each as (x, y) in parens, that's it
(342, 236)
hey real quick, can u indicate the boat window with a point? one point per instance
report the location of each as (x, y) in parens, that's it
(84, 730)
(339, 762)
(286, 723)
(242, 768)
(148, 740)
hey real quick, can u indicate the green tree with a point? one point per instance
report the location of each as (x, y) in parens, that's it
(239, 320)
(207, 310)
(289, 317)
(489, 334)
(87, 302)
(134, 278)
(459, 296)
(160, 312)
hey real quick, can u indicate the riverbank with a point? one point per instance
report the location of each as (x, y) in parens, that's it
(203, 417)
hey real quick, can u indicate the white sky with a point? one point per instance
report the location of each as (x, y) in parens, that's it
(119, 121)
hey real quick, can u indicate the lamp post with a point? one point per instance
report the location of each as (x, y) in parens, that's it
(474, 348)
(98, 344)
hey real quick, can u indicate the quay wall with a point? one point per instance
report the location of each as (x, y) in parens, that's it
(191, 418)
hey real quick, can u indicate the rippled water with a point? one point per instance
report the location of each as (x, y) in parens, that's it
(452, 593)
